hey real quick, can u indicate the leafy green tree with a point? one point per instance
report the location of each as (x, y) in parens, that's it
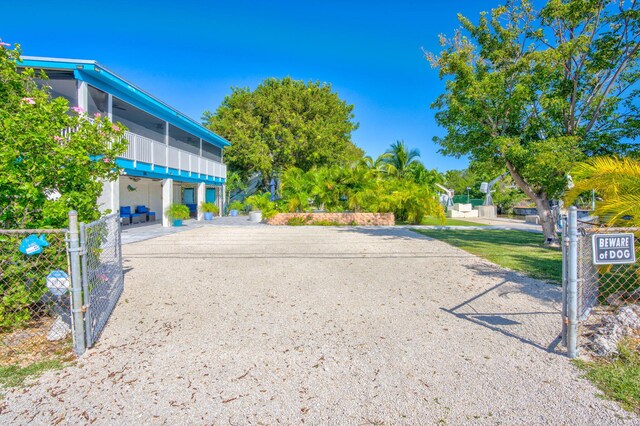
(536, 91)
(52, 160)
(285, 123)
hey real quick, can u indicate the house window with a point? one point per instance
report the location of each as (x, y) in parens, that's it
(97, 101)
(211, 151)
(137, 120)
(183, 140)
(61, 84)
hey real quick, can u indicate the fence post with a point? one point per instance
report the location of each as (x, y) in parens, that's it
(565, 249)
(85, 285)
(572, 284)
(79, 345)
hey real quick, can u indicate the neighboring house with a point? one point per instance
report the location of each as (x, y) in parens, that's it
(170, 159)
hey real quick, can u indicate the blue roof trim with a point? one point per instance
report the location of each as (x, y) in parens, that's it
(100, 77)
(146, 170)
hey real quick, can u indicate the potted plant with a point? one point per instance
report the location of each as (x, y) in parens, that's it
(259, 206)
(209, 210)
(177, 213)
(235, 207)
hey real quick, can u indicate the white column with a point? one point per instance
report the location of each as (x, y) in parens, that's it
(110, 106)
(167, 199)
(223, 199)
(83, 95)
(109, 199)
(202, 189)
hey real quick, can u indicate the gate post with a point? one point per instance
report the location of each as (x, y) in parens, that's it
(85, 285)
(572, 283)
(565, 249)
(79, 344)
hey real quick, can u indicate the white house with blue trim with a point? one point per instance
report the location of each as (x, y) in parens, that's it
(171, 158)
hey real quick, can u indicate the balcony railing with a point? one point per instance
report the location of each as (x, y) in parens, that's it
(158, 154)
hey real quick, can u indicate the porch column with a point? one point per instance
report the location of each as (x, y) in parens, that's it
(223, 199)
(167, 199)
(202, 188)
(83, 95)
(109, 199)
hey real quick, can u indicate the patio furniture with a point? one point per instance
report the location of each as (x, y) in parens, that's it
(125, 212)
(146, 214)
(193, 209)
(125, 220)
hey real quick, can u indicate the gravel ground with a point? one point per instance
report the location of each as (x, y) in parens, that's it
(290, 325)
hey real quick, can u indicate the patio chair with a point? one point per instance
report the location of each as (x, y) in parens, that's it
(125, 212)
(193, 209)
(144, 211)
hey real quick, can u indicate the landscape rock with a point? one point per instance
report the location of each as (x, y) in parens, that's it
(625, 322)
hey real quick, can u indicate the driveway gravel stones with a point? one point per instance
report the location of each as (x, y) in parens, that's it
(291, 325)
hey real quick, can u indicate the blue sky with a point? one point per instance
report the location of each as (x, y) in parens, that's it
(190, 53)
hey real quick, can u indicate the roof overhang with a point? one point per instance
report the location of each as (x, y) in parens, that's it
(101, 77)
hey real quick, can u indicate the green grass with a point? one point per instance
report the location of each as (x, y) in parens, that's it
(517, 250)
(14, 375)
(434, 221)
(618, 378)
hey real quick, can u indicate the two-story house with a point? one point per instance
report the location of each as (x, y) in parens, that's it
(170, 159)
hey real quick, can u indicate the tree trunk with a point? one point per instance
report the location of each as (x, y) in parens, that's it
(542, 206)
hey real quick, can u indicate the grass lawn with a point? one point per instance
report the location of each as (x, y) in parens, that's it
(14, 375)
(434, 221)
(618, 378)
(517, 250)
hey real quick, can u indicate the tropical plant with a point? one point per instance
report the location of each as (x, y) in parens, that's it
(178, 212)
(617, 181)
(285, 123)
(534, 92)
(236, 205)
(209, 208)
(263, 203)
(399, 158)
(52, 160)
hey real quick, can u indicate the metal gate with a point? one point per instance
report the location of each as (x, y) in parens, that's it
(102, 275)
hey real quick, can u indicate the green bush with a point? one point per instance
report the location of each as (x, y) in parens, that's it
(236, 205)
(178, 212)
(209, 208)
(23, 278)
(298, 221)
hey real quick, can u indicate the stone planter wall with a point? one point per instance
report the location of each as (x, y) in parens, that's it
(366, 219)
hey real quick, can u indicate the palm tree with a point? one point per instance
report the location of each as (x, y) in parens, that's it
(377, 166)
(399, 158)
(617, 181)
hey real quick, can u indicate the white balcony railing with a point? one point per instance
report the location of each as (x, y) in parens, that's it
(157, 153)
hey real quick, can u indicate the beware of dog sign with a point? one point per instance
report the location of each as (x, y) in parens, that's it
(611, 249)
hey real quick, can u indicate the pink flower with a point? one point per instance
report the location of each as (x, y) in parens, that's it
(97, 115)
(115, 128)
(30, 101)
(78, 110)
(57, 138)
(3, 44)
(106, 160)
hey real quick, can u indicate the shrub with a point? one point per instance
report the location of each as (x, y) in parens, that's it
(178, 212)
(209, 208)
(236, 205)
(298, 221)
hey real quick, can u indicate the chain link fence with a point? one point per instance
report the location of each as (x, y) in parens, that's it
(102, 275)
(57, 288)
(600, 275)
(35, 320)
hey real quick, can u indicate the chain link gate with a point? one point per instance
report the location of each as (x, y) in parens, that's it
(588, 287)
(102, 274)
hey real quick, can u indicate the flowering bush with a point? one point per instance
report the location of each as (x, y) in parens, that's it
(45, 149)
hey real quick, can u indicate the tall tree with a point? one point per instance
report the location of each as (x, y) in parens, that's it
(399, 158)
(535, 91)
(285, 123)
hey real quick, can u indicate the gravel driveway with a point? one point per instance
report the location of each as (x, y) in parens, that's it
(290, 325)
